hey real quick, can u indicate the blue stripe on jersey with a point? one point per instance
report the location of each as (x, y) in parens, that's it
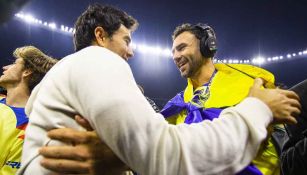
(20, 114)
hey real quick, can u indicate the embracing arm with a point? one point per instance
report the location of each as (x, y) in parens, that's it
(144, 141)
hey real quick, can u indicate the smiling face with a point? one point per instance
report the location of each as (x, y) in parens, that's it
(119, 42)
(186, 54)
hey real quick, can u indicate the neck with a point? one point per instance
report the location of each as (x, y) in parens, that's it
(203, 74)
(17, 96)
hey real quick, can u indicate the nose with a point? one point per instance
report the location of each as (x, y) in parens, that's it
(129, 52)
(6, 67)
(176, 56)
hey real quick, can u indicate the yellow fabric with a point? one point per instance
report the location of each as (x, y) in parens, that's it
(228, 88)
(10, 143)
(267, 160)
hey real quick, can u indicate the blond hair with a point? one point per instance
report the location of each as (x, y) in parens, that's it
(36, 61)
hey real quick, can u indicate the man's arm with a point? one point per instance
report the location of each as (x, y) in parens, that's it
(269, 95)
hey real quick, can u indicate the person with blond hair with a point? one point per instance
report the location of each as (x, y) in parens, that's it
(19, 79)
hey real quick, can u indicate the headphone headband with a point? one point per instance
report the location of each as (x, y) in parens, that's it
(208, 45)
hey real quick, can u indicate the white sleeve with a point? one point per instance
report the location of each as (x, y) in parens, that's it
(107, 95)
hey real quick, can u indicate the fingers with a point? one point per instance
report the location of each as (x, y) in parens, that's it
(66, 152)
(69, 135)
(287, 112)
(83, 122)
(289, 94)
(66, 166)
(289, 120)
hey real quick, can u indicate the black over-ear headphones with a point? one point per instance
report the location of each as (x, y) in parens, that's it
(208, 45)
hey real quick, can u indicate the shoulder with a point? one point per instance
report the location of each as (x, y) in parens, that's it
(245, 70)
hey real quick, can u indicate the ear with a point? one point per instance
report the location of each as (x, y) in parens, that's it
(100, 36)
(26, 73)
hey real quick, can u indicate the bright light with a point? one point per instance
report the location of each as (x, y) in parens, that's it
(259, 60)
(52, 25)
(29, 18)
(147, 49)
(167, 52)
(71, 30)
(133, 46)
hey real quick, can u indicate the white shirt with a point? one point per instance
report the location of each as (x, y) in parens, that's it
(99, 85)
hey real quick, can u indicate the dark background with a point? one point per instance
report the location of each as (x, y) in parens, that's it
(245, 29)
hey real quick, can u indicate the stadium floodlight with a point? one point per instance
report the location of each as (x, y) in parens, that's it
(157, 50)
(52, 25)
(167, 52)
(71, 30)
(29, 18)
(143, 48)
(259, 60)
(133, 46)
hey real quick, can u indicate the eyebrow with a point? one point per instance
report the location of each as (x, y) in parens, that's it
(128, 38)
(178, 46)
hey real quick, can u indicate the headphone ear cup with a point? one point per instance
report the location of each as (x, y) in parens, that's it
(207, 43)
(211, 46)
(202, 45)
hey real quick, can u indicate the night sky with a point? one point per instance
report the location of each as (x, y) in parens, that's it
(245, 29)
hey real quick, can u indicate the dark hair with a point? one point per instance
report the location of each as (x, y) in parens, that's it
(36, 61)
(107, 17)
(196, 31)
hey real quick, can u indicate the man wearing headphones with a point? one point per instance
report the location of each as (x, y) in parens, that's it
(204, 80)
(213, 87)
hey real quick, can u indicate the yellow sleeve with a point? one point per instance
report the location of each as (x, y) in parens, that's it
(7, 128)
(12, 163)
(10, 144)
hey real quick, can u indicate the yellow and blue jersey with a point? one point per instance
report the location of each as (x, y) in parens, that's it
(13, 122)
